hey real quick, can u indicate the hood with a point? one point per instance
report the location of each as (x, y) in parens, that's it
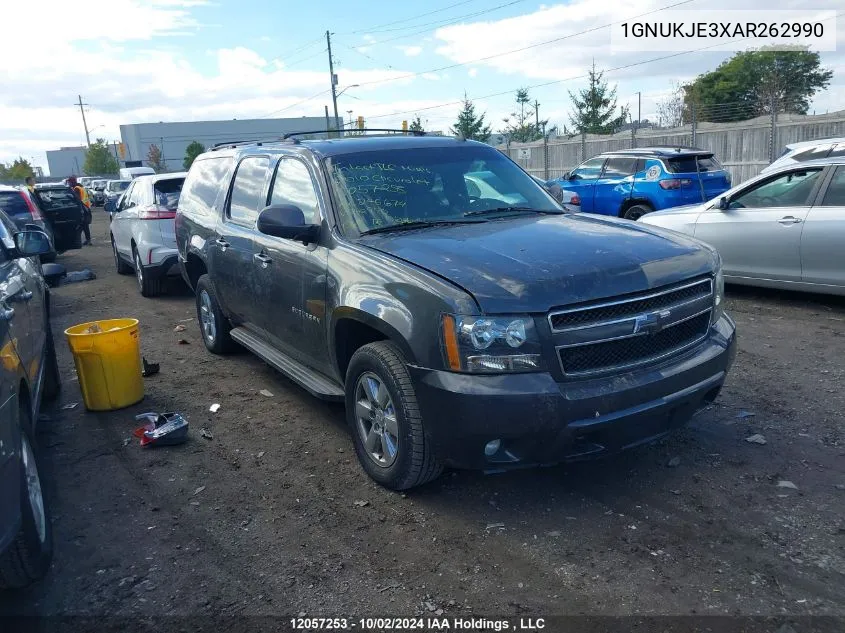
(534, 263)
(683, 209)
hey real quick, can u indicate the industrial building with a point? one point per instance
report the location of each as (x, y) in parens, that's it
(173, 137)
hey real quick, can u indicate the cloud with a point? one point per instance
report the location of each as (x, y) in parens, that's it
(472, 72)
(410, 51)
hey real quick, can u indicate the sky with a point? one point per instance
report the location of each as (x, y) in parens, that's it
(136, 61)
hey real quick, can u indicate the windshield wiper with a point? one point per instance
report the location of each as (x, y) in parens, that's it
(416, 224)
(513, 208)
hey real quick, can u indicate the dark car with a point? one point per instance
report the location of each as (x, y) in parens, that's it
(22, 208)
(64, 213)
(483, 332)
(631, 183)
(28, 373)
(98, 193)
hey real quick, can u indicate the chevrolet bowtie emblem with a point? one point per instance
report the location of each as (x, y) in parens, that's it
(650, 322)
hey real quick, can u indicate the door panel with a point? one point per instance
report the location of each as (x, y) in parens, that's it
(615, 185)
(759, 235)
(823, 238)
(582, 180)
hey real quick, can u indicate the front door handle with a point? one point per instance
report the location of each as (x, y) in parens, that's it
(262, 259)
(789, 219)
(223, 244)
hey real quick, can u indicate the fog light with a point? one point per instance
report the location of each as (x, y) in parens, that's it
(492, 447)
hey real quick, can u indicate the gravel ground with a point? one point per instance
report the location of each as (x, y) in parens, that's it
(273, 516)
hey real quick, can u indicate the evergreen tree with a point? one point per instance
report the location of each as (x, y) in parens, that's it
(469, 125)
(416, 125)
(595, 107)
(521, 126)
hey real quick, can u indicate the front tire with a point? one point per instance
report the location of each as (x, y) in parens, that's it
(385, 420)
(122, 267)
(148, 286)
(214, 326)
(28, 557)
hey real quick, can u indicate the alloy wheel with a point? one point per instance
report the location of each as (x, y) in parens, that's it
(375, 415)
(209, 330)
(33, 487)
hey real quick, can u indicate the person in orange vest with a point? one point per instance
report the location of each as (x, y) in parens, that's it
(80, 192)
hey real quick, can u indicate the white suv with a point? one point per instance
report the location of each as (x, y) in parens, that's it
(143, 232)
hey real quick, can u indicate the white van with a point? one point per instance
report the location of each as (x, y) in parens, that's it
(128, 173)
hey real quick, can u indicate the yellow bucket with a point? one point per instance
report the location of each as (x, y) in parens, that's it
(108, 362)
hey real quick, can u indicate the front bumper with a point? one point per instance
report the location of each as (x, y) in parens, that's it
(541, 421)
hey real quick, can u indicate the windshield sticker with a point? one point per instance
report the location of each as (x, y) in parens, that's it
(653, 173)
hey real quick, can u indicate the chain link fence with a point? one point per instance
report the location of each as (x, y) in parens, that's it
(743, 147)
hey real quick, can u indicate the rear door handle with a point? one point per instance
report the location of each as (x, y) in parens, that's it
(789, 219)
(223, 244)
(262, 259)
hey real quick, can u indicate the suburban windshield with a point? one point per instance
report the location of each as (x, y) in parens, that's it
(117, 185)
(378, 189)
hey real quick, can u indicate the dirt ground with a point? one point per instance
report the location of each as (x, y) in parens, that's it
(273, 516)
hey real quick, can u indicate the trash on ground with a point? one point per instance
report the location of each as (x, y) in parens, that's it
(186, 320)
(674, 462)
(162, 429)
(265, 392)
(492, 526)
(260, 454)
(150, 369)
(206, 433)
(70, 405)
(183, 341)
(179, 328)
(553, 533)
(361, 504)
(787, 484)
(78, 275)
(214, 408)
(198, 490)
(756, 439)
(744, 414)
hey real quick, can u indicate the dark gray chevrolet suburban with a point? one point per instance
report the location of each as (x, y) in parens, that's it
(466, 319)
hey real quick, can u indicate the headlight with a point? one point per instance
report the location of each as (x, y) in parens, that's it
(501, 344)
(719, 295)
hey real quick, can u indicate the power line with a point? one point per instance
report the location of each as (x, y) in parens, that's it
(421, 15)
(293, 105)
(454, 19)
(298, 49)
(304, 59)
(363, 54)
(525, 48)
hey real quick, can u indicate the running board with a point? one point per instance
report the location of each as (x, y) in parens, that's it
(317, 384)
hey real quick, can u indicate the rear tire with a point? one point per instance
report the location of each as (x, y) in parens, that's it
(412, 461)
(28, 557)
(636, 211)
(214, 326)
(122, 267)
(148, 286)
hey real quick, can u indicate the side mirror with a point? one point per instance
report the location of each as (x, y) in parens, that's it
(32, 243)
(288, 222)
(109, 206)
(724, 203)
(567, 175)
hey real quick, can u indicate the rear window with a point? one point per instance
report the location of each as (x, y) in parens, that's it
(167, 192)
(204, 181)
(56, 199)
(686, 164)
(117, 185)
(13, 204)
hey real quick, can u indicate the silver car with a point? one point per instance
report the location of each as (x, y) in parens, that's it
(780, 230)
(143, 230)
(807, 151)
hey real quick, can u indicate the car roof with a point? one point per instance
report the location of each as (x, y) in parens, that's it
(660, 152)
(821, 141)
(8, 188)
(818, 162)
(349, 144)
(157, 177)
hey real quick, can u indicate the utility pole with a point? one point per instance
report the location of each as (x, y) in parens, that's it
(84, 122)
(537, 115)
(333, 76)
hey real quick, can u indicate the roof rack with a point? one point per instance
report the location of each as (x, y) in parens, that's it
(291, 135)
(255, 141)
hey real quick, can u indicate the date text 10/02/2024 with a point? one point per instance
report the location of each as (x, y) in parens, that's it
(418, 624)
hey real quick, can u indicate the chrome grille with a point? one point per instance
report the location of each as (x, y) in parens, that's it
(632, 331)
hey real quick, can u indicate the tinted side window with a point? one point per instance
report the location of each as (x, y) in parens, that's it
(787, 190)
(619, 167)
(12, 203)
(248, 189)
(293, 185)
(835, 194)
(686, 164)
(204, 182)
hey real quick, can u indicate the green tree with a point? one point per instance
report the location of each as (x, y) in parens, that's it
(416, 125)
(20, 169)
(521, 126)
(154, 158)
(750, 82)
(469, 125)
(99, 160)
(194, 149)
(595, 107)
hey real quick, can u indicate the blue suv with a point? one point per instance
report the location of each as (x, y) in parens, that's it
(631, 183)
